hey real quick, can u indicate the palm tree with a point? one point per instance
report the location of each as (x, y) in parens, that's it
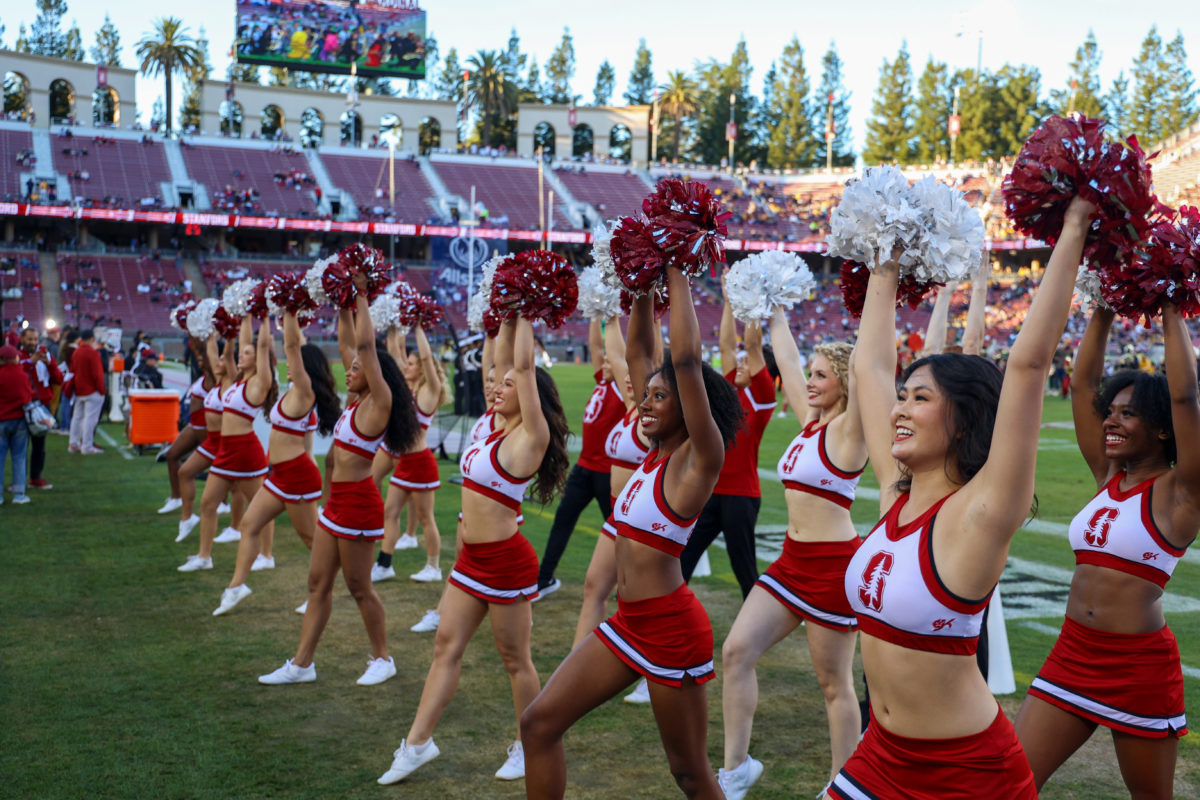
(679, 100)
(168, 49)
(491, 87)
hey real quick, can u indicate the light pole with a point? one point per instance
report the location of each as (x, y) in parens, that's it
(953, 126)
(390, 137)
(830, 133)
(731, 130)
(654, 120)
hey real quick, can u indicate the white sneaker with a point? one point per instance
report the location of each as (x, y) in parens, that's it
(406, 759)
(231, 597)
(223, 508)
(379, 573)
(514, 767)
(429, 622)
(640, 693)
(736, 782)
(230, 534)
(378, 671)
(406, 542)
(428, 574)
(262, 562)
(290, 673)
(302, 608)
(186, 526)
(195, 562)
(172, 504)
(550, 588)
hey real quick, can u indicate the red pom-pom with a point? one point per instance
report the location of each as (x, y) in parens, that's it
(854, 289)
(536, 285)
(638, 261)
(337, 281)
(491, 323)
(688, 224)
(1070, 156)
(1166, 269)
(257, 307)
(226, 325)
(180, 314)
(288, 291)
(662, 300)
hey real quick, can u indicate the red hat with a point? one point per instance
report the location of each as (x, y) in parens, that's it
(9, 353)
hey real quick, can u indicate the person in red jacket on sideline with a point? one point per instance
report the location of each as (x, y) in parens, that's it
(44, 375)
(89, 394)
(14, 435)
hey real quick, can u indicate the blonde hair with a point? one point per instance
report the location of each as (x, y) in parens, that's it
(838, 356)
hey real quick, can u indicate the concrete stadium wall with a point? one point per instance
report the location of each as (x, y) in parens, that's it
(41, 71)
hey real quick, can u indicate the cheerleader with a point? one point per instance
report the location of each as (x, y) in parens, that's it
(920, 582)
(660, 630)
(416, 475)
(352, 519)
(294, 482)
(1116, 662)
(496, 571)
(193, 433)
(820, 471)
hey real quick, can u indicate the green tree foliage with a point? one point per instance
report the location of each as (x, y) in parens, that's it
(831, 86)
(980, 112)
(678, 101)
(639, 90)
(168, 49)
(1180, 110)
(21, 45)
(491, 93)
(189, 110)
(514, 59)
(46, 36)
(448, 83)
(1021, 110)
(1148, 99)
(1116, 103)
(107, 49)
(717, 83)
(1085, 78)
(560, 70)
(606, 81)
(243, 73)
(789, 135)
(890, 129)
(935, 101)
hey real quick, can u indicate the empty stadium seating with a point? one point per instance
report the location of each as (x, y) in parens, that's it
(118, 173)
(363, 175)
(11, 144)
(240, 170)
(612, 194)
(19, 270)
(506, 191)
(106, 290)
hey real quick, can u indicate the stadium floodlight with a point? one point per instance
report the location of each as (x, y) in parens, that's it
(50, 324)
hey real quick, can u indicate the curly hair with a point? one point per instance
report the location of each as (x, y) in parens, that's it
(1151, 401)
(552, 473)
(402, 428)
(722, 397)
(329, 406)
(838, 356)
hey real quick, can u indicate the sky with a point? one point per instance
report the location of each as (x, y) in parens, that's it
(1044, 34)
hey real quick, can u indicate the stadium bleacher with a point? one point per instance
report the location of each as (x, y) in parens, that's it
(509, 193)
(12, 144)
(20, 274)
(261, 182)
(612, 194)
(112, 173)
(132, 292)
(364, 175)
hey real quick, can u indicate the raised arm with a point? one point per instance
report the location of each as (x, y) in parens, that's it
(972, 341)
(212, 354)
(875, 376)
(380, 407)
(245, 334)
(639, 352)
(707, 452)
(791, 367)
(293, 340)
(614, 349)
(533, 421)
(1085, 387)
(727, 333)
(259, 386)
(1185, 409)
(487, 355)
(596, 345)
(753, 338)
(394, 341)
(502, 353)
(345, 337)
(935, 333)
(229, 356)
(433, 381)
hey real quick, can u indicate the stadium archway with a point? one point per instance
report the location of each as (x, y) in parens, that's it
(106, 109)
(272, 122)
(543, 138)
(351, 133)
(16, 94)
(583, 140)
(312, 127)
(231, 118)
(429, 136)
(620, 143)
(62, 101)
(390, 122)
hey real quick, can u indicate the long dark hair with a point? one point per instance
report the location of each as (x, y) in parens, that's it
(971, 385)
(273, 392)
(329, 406)
(1151, 400)
(552, 473)
(402, 428)
(723, 401)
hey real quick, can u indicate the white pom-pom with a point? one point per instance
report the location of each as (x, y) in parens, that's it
(601, 239)
(200, 318)
(757, 284)
(950, 237)
(175, 314)
(384, 310)
(598, 298)
(875, 215)
(236, 298)
(312, 280)
(483, 294)
(1087, 286)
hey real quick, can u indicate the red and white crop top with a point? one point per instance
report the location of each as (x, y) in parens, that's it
(641, 512)
(347, 437)
(212, 401)
(896, 594)
(196, 392)
(482, 473)
(296, 426)
(805, 467)
(424, 419)
(235, 401)
(623, 447)
(1116, 530)
(483, 427)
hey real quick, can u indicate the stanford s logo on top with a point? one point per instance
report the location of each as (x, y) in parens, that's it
(630, 494)
(595, 403)
(790, 463)
(870, 591)
(1096, 533)
(466, 465)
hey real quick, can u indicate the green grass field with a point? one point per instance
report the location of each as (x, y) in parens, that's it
(116, 681)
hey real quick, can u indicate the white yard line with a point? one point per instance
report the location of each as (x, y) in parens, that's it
(108, 440)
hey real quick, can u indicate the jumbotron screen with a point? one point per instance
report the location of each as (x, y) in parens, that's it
(385, 38)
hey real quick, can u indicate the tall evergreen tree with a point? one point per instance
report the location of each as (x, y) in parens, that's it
(21, 45)
(448, 83)
(934, 103)
(189, 110)
(107, 49)
(1082, 92)
(606, 81)
(532, 90)
(1116, 103)
(769, 114)
(890, 129)
(639, 90)
(560, 70)
(717, 83)
(832, 91)
(46, 36)
(1021, 108)
(1180, 110)
(1150, 90)
(514, 58)
(74, 50)
(790, 137)
(243, 73)
(979, 108)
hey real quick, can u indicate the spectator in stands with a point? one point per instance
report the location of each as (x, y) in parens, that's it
(14, 434)
(44, 376)
(88, 384)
